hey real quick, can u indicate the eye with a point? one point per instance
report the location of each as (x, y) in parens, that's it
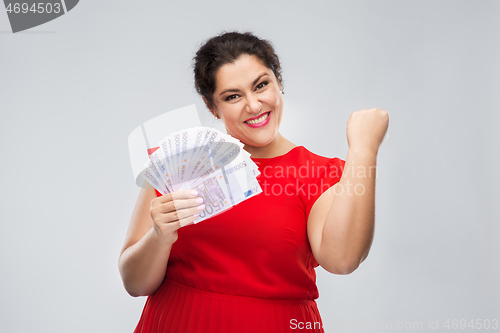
(261, 85)
(230, 97)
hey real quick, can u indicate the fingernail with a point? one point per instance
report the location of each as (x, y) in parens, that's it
(201, 207)
(194, 193)
(196, 215)
(199, 200)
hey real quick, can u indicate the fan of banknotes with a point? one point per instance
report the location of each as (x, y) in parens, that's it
(206, 160)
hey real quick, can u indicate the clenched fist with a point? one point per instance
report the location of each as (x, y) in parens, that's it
(366, 129)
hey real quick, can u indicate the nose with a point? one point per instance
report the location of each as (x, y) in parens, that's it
(253, 104)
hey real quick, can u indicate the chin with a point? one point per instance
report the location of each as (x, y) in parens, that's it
(262, 142)
(255, 140)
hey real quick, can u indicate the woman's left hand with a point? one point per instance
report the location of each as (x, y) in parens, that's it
(366, 129)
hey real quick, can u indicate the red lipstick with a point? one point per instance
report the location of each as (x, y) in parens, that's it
(257, 117)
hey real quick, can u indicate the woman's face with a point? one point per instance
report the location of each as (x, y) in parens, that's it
(248, 100)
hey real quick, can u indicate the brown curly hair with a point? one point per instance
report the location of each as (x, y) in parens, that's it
(227, 48)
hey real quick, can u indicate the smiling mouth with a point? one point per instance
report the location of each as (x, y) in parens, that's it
(258, 120)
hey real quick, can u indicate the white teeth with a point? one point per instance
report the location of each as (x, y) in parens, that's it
(259, 120)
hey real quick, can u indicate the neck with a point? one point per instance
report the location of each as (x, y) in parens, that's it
(278, 146)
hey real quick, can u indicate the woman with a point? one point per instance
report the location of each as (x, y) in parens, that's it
(251, 269)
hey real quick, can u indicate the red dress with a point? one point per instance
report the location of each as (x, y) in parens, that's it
(249, 269)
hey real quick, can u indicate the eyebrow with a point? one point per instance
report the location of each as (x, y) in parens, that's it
(253, 84)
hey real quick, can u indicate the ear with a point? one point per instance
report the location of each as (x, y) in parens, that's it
(214, 112)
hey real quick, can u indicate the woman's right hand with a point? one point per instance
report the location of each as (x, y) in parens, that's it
(174, 210)
(146, 250)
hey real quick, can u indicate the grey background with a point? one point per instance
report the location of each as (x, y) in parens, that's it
(72, 89)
